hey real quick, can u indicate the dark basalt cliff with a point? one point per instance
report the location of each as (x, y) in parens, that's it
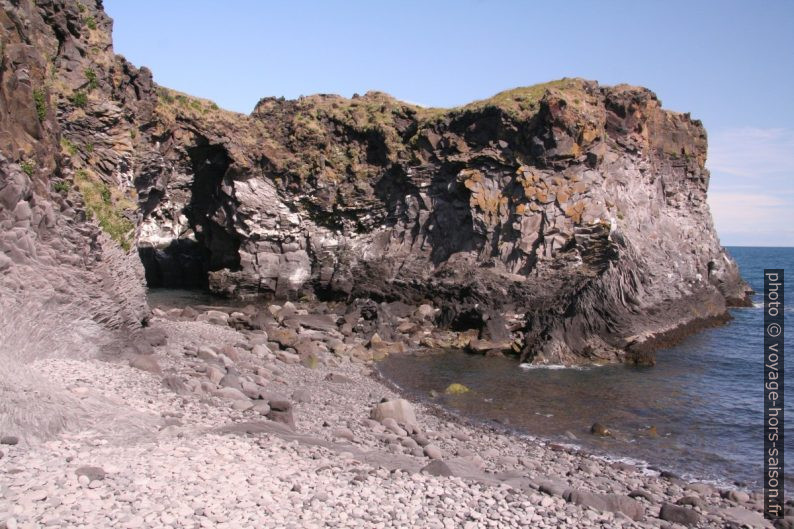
(579, 207)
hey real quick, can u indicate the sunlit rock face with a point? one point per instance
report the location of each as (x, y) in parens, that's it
(581, 206)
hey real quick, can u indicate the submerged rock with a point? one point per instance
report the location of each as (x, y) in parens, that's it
(456, 389)
(599, 429)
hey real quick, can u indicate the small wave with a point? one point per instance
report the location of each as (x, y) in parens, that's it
(760, 305)
(554, 366)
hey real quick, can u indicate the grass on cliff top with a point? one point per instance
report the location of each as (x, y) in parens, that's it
(522, 101)
(172, 103)
(107, 206)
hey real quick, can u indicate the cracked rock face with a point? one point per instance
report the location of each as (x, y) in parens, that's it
(579, 205)
(583, 206)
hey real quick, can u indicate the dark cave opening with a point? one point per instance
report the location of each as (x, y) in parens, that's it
(187, 261)
(183, 264)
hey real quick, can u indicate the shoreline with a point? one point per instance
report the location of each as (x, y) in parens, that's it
(570, 445)
(434, 470)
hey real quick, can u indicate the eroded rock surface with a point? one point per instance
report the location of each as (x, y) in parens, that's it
(581, 206)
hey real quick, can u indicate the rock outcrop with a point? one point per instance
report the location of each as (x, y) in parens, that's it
(579, 205)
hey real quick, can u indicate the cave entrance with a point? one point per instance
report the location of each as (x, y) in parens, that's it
(187, 261)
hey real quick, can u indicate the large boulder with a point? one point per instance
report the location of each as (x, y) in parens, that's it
(679, 515)
(398, 409)
(607, 503)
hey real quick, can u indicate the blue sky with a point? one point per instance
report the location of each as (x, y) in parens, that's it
(729, 63)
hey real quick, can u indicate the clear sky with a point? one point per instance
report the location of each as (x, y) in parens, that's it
(729, 63)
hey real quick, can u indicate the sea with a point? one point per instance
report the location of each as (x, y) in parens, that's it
(704, 397)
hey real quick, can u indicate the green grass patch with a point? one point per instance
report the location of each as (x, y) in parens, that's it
(68, 146)
(90, 22)
(91, 77)
(79, 99)
(40, 99)
(106, 208)
(61, 187)
(28, 167)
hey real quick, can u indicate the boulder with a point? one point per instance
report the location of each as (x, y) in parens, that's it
(145, 363)
(231, 380)
(679, 515)
(433, 452)
(336, 378)
(206, 353)
(343, 433)
(743, 517)
(285, 337)
(736, 496)
(92, 473)
(607, 503)
(231, 394)
(214, 316)
(437, 467)
(599, 429)
(640, 493)
(398, 409)
(261, 407)
(302, 395)
(281, 411)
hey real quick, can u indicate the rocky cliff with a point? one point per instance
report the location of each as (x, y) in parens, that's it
(577, 207)
(581, 206)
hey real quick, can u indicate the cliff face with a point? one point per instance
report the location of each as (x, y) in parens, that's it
(580, 206)
(51, 255)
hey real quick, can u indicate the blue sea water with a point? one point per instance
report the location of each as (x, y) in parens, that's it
(704, 396)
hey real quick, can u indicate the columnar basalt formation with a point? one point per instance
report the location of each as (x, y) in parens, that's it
(582, 206)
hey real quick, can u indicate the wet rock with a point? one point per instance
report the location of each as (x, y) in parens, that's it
(600, 430)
